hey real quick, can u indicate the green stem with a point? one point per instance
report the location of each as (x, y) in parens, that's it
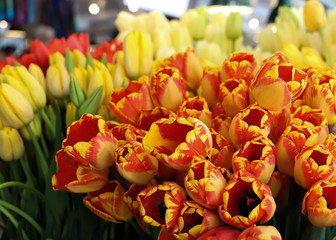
(13, 221)
(22, 214)
(44, 146)
(25, 167)
(233, 45)
(42, 163)
(46, 119)
(14, 168)
(325, 49)
(40, 196)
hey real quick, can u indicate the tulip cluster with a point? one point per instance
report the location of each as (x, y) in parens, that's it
(201, 151)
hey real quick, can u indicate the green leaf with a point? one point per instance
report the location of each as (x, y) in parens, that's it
(91, 104)
(76, 93)
(68, 61)
(89, 60)
(104, 59)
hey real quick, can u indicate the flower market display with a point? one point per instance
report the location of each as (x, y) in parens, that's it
(173, 130)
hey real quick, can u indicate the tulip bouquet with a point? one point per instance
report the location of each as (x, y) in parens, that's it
(149, 137)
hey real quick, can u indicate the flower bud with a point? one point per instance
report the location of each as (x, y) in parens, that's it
(58, 80)
(234, 25)
(37, 72)
(36, 127)
(314, 15)
(14, 107)
(11, 144)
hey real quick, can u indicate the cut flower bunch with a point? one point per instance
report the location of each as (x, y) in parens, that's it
(173, 130)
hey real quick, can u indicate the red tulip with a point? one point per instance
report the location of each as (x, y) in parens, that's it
(221, 233)
(260, 233)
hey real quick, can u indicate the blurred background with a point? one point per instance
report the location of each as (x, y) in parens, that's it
(22, 20)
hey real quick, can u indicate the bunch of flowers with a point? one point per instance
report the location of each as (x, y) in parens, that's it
(173, 146)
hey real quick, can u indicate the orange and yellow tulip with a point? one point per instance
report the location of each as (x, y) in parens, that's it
(75, 178)
(161, 204)
(312, 164)
(277, 83)
(89, 142)
(256, 156)
(249, 123)
(127, 103)
(134, 164)
(108, 203)
(168, 88)
(246, 201)
(221, 233)
(176, 141)
(319, 204)
(210, 84)
(260, 233)
(204, 183)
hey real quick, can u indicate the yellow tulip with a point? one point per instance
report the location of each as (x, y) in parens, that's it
(138, 58)
(124, 21)
(37, 72)
(56, 57)
(101, 77)
(118, 74)
(234, 25)
(27, 85)
(180, 36)
(36, 127)
(80, 74)
(14, 107)
(314, 15)
(78, 58)
(209, 51)
(70, 114)
(196, 21)
(11, 144)
(58, 80)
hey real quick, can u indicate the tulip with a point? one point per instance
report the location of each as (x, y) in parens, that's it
(314, 15)
(320, 94)
(195, 220)
(14, 108)
(319, 204)
(19, 78)
(312, 57)
(38, 74)
(277, 80)
(312, 164)
(222, 151)
(176, 141)
(278, 120)
(168, 88)
(56, 57)
(80, 75)
(249, 123)
(260, 233)
(290, 143)
(220, 233)
(138, 51)
(134, 164)
(233, 95)
(148, 117)
(196, 107)
(210, 84)
(36, 127)
(239, 65)
(256, 156)
(161, 204)
(78, 58)
(124, 21)
(89, 143)
(246, 201)
(41, 53)
(180, 36)
(118, 74)
(108, 203)
(125, 133)
(101, 77)
(189, 65)
(204, 183)
(127, 103)
(195, 20)
(77, 179)
(221, 124)
(209, 52)
(234, 27)
(70, 114)
(58, 80)
(12, 147)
